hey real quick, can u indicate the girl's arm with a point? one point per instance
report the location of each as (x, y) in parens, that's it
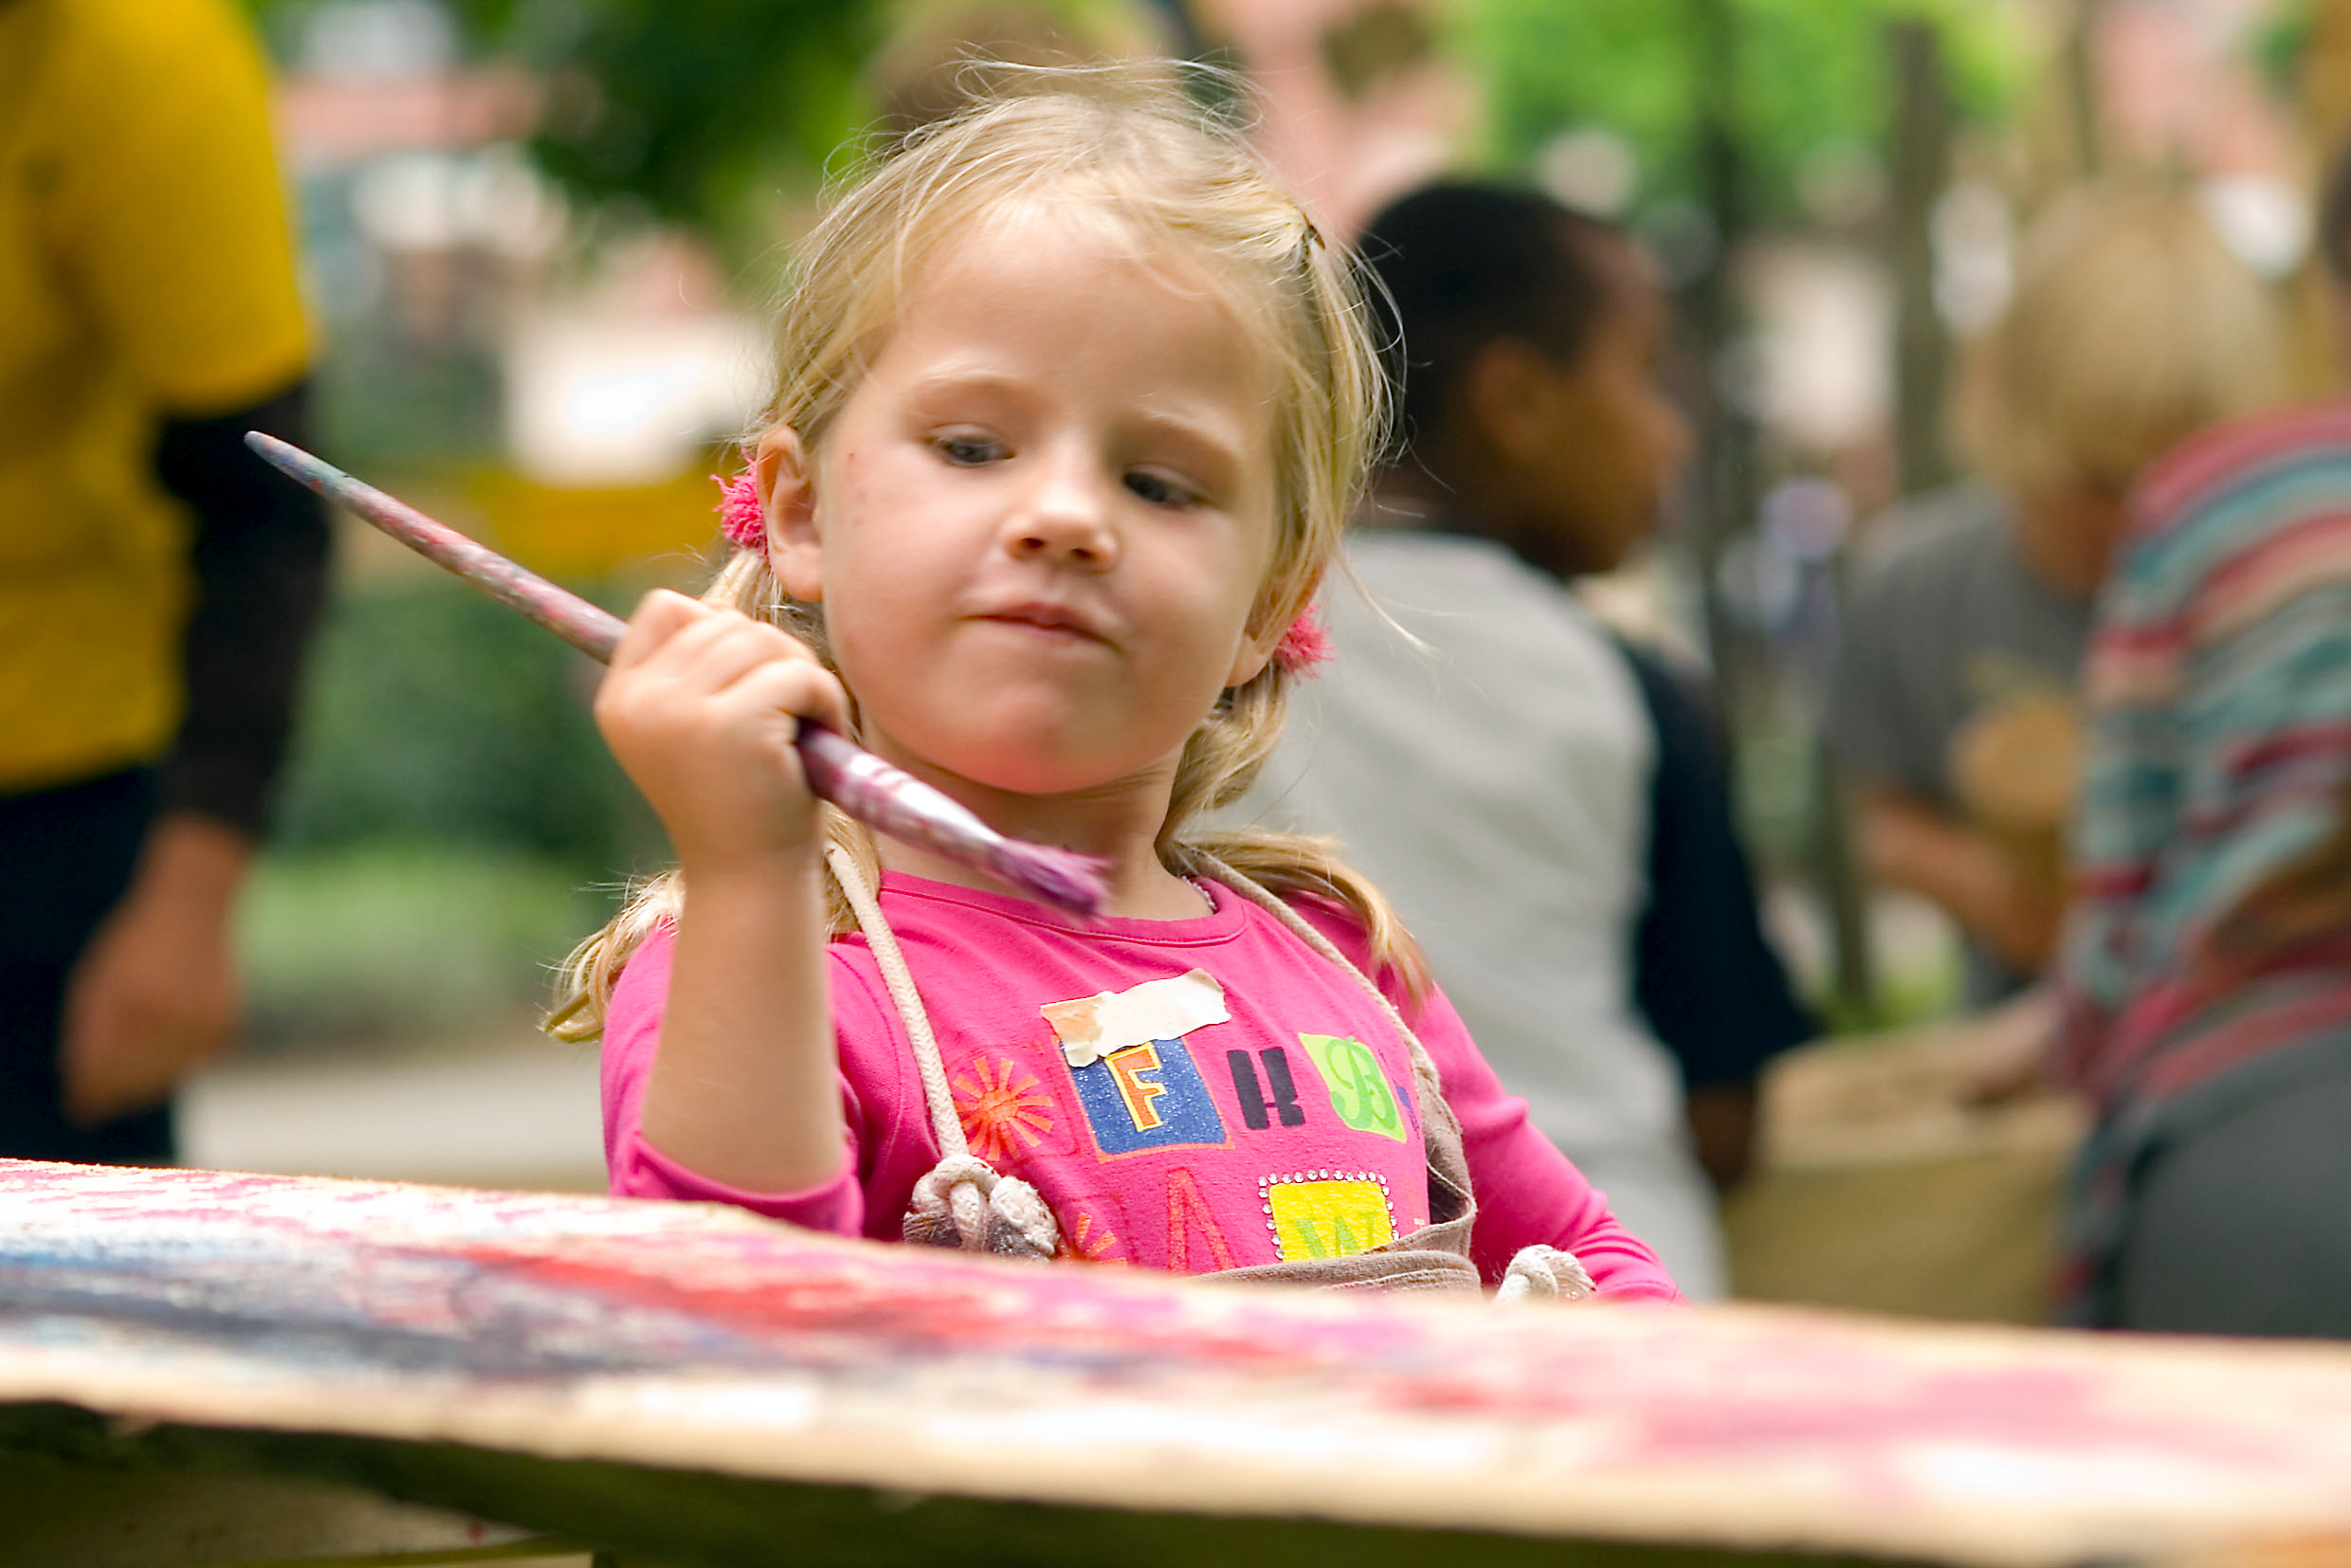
(1528, 1192)
(631, 1047)
(700, 706)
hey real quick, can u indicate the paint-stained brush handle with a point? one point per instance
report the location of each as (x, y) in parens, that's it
(885, 799)
(593, 630)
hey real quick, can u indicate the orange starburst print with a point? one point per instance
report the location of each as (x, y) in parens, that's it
(1003, 1108)
(1087, 1242)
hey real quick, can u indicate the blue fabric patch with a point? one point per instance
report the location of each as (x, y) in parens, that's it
(1147, 1097)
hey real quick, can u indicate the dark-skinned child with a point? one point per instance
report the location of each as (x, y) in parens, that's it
(1545, 803)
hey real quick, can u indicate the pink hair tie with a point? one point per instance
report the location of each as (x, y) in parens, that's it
(1303, 645)
(741, 518)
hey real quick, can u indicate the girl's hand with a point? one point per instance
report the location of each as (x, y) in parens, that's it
(702, 707)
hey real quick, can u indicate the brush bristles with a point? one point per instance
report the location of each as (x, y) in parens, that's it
(1063, 878)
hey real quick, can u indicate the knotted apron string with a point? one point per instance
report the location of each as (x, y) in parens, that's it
(963, 1201)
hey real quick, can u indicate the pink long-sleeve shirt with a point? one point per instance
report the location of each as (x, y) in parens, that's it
(1284, 1128)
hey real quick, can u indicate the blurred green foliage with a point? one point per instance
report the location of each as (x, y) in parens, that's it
(693, 110)
(2281, 41)
(433, 714)
(405, 941)
(1811, 79)
(452, 825)
(380, 402)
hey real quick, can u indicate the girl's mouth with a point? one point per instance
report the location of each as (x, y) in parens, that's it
(1051, 619)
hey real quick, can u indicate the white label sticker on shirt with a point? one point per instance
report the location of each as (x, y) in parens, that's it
(1093, 1027)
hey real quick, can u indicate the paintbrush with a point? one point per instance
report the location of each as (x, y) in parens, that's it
(885, 799)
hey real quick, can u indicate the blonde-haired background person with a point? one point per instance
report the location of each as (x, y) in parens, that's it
(156, 582)
(2131, 327)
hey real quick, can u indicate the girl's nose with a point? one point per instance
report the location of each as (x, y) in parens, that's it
(1065, 517)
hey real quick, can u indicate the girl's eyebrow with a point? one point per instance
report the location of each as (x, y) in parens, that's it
(973, 379)
(1213, 438)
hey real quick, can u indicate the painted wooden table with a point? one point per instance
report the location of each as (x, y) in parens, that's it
(693, 1385)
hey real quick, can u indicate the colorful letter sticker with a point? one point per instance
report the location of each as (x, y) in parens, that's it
(1134, 1077)
(1360, 1091)
(1327, 1213)
(1147, 1097)
(1258, 1108)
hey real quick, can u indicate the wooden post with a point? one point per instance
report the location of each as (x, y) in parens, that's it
(1726, 489)
(2078, 60)
(1729, 487)
(1922, 170)
(1921, 164)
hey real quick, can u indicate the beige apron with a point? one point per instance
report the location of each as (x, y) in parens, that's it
(964, 1202)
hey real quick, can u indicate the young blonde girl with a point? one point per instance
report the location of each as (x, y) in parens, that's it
(1072, 402)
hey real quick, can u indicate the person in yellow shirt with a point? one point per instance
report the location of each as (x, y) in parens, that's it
(156, 584)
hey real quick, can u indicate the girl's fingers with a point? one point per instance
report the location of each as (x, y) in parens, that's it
(687, 653)
(707, 659)
(698, 646)
(659, 616)
(799, 687)
(702, 707)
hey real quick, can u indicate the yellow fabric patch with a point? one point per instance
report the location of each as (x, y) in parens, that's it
(1327, 1213)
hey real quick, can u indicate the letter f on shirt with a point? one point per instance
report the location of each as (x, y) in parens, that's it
(1127, 1056)
(1139, 1092)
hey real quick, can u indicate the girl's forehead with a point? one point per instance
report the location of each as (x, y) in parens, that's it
(1030, 285)
(1014, 243)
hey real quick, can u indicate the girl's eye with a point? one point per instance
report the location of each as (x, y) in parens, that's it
(1158, 491)
(968, 451)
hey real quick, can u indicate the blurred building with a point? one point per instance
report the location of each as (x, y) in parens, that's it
(564, 397)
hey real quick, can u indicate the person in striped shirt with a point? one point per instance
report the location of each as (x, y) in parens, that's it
(2205, 971)
(1953, 701)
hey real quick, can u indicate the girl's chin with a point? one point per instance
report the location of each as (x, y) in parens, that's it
(1045, 766)
(1027, 779)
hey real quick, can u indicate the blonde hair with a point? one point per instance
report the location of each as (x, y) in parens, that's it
(1130, 146)
(2131, 327)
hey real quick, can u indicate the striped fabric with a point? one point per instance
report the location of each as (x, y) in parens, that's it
(2219, 694)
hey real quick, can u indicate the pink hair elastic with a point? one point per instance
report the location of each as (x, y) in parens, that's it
(1305, 644)
(743, 519)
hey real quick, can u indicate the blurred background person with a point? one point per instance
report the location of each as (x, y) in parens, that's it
(1542, 802)
(1952, 704)
(155, 583)
(2206, 978)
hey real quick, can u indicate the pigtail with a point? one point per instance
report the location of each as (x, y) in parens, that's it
(587, 975)
(1222, 759)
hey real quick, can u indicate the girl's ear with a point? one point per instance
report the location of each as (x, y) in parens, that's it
(788, 491)
(1250, 658)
